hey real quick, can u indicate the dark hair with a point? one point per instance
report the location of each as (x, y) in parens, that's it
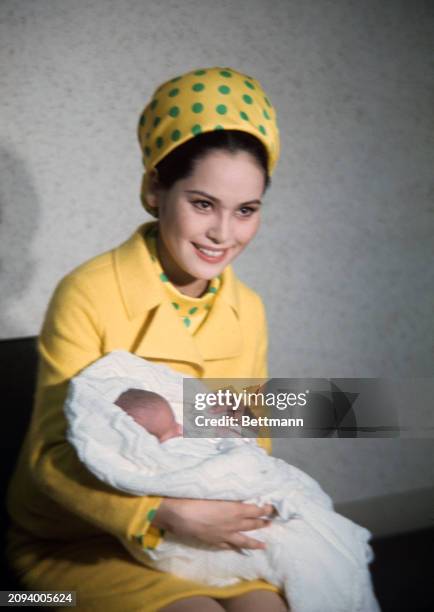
(180, 162)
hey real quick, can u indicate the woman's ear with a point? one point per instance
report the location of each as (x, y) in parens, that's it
(153, 189)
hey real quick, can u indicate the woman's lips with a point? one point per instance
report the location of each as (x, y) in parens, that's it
(210, 255)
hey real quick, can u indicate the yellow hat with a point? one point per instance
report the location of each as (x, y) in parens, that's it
(203, 101)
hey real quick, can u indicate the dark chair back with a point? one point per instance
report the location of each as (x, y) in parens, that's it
(18, 363)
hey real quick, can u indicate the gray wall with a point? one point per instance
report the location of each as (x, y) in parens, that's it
(344, 256)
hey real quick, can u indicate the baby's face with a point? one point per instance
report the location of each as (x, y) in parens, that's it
(158, 420)
(173, 431)
(151, 411)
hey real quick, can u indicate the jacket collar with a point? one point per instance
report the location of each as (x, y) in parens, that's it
(162, 336)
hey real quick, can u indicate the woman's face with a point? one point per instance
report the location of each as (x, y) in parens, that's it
(207, 219)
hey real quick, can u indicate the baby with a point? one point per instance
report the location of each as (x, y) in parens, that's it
(151, 411)
(196, 561)
(125, 432)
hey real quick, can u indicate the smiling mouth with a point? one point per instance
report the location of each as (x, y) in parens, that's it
(210, 252)
(210, 255)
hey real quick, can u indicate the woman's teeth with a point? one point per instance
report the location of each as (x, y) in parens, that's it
(209, 253)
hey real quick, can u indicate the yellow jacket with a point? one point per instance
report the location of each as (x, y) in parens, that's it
(116, 301)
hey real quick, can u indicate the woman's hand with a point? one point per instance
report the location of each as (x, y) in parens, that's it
(214, 522)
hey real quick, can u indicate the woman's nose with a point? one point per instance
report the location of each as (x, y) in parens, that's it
(220, 230)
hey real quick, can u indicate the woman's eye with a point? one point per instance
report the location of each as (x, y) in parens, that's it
(202, 204)
(247, 211)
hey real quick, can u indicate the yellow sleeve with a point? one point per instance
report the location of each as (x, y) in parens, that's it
(262, 366)
(71, 338)
(261, 361)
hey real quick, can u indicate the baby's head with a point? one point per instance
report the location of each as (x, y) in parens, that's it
(151, 411)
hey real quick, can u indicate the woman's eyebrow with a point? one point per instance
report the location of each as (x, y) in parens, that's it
(207, 195)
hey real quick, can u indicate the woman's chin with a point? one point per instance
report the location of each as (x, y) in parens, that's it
(210, 270)
(209, 273)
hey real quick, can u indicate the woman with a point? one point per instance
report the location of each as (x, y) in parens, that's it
(168, 294)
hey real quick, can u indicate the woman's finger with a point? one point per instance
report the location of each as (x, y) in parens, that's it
(250, 524)
(227, 546)
(253, 511)
(240, 540)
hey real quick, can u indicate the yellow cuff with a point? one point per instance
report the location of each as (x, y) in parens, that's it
(266, 444)
(150, 536)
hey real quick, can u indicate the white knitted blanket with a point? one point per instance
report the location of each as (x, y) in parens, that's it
(318, 557)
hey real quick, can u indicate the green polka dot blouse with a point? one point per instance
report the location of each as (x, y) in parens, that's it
(191, 311)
